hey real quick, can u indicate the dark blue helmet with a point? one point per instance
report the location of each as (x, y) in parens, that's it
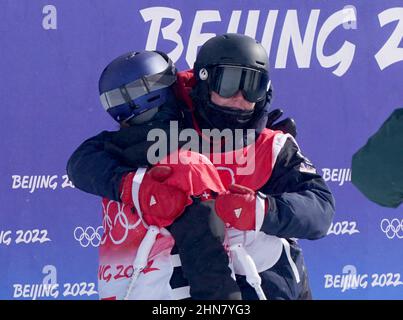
(135, 84)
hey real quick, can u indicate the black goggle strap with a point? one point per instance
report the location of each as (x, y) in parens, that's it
(126, 96)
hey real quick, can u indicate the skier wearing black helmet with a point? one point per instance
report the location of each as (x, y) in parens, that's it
(284, 198)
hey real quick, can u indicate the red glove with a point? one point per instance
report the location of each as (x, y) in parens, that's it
(166, 189)
(240, 207)
(160, 203)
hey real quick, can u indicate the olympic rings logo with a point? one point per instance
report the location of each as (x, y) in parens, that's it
(120, 218)
(393, 228)
(88, 236)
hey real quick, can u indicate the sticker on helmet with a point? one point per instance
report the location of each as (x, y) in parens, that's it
(203, 74)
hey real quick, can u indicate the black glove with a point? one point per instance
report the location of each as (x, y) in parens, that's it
(204, 259)
(287, 125)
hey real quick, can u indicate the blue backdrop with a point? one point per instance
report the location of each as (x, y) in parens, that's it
(337, 68)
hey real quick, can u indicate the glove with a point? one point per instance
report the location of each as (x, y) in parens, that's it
(167, 188)
(204, 260)
(237, 207)
(287, 125)
(155, 196)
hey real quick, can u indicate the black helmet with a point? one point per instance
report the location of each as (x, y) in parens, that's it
(227, 64)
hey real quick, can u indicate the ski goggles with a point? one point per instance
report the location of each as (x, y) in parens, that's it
(228, 80)
(136, 89)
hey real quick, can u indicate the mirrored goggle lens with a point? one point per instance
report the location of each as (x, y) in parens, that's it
(136, 89)
(228, 80)
(159, 81)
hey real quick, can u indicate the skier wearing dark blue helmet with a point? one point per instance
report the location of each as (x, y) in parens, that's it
(136, 90)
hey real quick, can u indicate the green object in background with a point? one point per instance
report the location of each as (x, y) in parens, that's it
(377, 168)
